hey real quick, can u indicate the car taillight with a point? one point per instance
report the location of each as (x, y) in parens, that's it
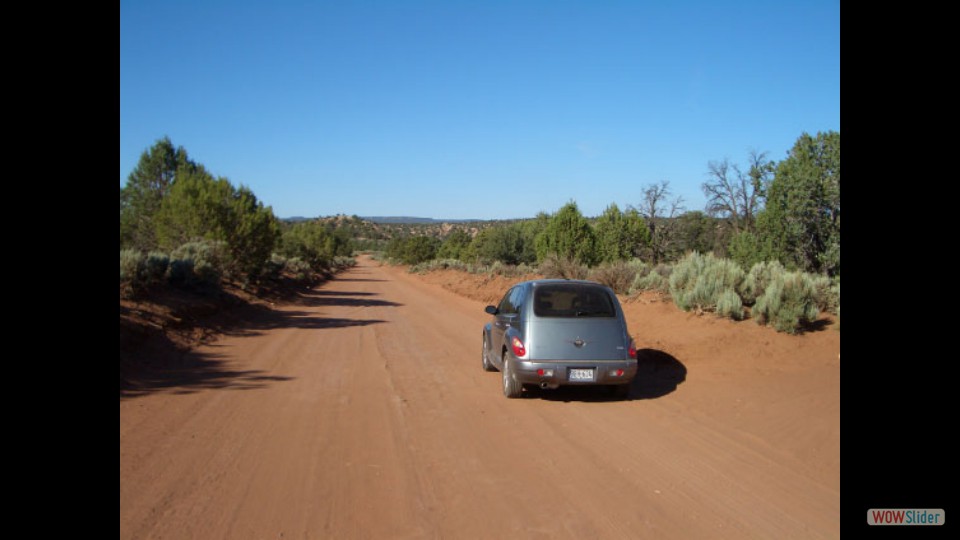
(632, 350)
(518, 348)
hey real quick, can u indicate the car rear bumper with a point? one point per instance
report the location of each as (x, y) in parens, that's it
(551, 374)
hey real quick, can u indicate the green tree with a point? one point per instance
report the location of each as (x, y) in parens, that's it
(199, 206)
(196, 206)
(454, 244)
(801, 220)
(619, 235)
(253, 231)
(568, 235)
(315, 242)
(395, 248)
(748, 249)
(500, 243)
(418, 249)
(529, 230)
(305, 240)
(146, 188)
(636, 232)
(696, 231)
(339, 242)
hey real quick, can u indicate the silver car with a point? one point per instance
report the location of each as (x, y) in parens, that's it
(554, 332)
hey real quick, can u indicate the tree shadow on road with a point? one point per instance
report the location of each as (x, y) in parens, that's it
(161, 355)
(320, 297)
(161, 366)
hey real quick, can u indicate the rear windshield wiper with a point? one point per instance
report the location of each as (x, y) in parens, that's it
(592, 314)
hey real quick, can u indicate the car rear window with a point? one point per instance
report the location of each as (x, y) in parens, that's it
(572, 300)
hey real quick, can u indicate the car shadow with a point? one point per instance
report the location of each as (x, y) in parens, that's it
(658, 374)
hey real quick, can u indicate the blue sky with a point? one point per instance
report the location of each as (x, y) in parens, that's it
(483, 110)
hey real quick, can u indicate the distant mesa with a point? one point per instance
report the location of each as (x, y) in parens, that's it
(415, 220)
(386, 220)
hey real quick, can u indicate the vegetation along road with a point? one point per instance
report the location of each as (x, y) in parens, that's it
(363, 412)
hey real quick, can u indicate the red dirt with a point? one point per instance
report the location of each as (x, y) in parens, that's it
(363, 412)
(486, 288)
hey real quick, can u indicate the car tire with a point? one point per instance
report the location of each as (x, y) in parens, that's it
(511, 386)
(487, 364)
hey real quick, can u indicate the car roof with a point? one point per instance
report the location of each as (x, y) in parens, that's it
(536, 282)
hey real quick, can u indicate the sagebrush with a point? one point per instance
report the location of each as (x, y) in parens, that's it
(729, 305)
(200, 262)
(789, 303)
(618, 275)
(756, 281)
(554, 266)
(698, 281)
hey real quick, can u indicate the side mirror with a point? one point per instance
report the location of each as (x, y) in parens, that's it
(491, 310)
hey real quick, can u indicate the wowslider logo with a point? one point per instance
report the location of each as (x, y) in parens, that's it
(904, 516)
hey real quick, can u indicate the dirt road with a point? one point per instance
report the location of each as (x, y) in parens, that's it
(364, 413)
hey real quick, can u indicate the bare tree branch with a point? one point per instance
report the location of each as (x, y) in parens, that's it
(658, 209)
(735, 195)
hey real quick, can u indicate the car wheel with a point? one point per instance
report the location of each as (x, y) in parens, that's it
(511, 386)
(487, 364)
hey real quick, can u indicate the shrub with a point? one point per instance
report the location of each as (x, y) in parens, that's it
(638, 266)
(650, 278)
(788, 303)
(554, 266)
(836, 294)
(618, 275)
(200, 261)
(155, 267)
(180, 271)
(273, 268)
(132, 272)
(827, 293)
(664, 270)
(131, 264)
(341, 262)
(454, 245)
(418, 249)
(523, 269)
(300, 269)
(509, 244)
(730, 305)
(747, 250)
(508, 270)
(438, 264)
(698, 281)
(761, 274)
(653, 281)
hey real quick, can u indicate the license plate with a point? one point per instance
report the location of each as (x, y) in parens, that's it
(581, 374)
